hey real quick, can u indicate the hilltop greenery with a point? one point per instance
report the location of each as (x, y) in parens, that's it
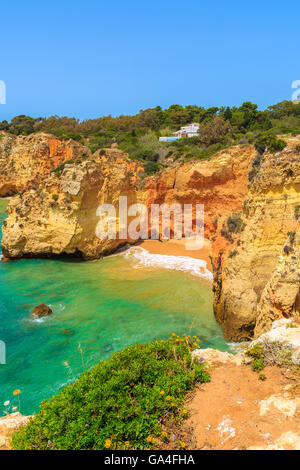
(138, 135)
(121, 403)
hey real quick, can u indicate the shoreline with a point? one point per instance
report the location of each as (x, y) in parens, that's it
(172, 255)
(178, 248)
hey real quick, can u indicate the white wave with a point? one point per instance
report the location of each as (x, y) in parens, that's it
(197, 267)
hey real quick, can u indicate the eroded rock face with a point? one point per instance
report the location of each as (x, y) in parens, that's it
(60, 217)
(26, 160)
(219, 183)
(257, 281)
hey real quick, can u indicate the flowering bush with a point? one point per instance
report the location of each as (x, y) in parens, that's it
(119, 404)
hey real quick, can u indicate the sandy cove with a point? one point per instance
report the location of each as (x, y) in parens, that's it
(179, 248)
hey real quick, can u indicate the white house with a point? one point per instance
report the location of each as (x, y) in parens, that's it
(186, 131)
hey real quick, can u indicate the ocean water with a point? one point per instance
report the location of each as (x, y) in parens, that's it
(99, 308)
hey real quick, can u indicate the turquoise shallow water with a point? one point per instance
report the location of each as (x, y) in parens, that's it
(99, 308)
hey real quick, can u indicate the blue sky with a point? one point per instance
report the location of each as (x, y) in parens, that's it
(90, 58)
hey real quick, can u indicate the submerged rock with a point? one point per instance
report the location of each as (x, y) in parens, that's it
(40, 311)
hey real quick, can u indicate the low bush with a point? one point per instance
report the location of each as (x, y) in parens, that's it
(235, 223)
(119, 404)
(269, 142)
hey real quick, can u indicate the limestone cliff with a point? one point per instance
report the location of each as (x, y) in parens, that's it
(26, 160)
(219, 183)
(60, 216)
(257, 281)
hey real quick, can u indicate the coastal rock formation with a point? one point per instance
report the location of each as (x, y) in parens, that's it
(8, 425)
(40, 311)
(258, 280)
(60, 217)
(219, 183)
(26, 160)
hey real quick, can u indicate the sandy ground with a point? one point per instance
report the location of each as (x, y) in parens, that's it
(238, 411)
(179, 248)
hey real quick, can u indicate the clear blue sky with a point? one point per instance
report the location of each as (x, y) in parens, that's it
(92, 57)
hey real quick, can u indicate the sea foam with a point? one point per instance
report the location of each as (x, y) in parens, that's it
(197, 267)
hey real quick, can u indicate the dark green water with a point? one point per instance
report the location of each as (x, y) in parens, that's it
(102, 306)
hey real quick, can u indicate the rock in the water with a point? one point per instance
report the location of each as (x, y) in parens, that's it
(41, 311)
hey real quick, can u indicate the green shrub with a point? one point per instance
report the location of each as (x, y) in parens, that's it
(297, 212)
(235, 223)
(256, 353)
(292, 237)
(118, 404)
(258, 365)
(55, 197)
(269, 142)
(232, 254)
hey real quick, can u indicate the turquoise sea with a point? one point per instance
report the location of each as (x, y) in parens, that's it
(99, 308)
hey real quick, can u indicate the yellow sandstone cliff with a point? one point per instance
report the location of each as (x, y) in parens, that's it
(26, 160)
(257, 281)
(60, 216)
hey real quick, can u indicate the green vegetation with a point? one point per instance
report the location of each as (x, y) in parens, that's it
(270, 142)
(257, 354)
(121, 403)
(292, 237)
(235, 223)
(138, 135)
(232, 254)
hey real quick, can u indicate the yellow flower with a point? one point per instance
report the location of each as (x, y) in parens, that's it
(16, 392)
(162, 392)
(182, 445)
(127, 443)
(107, 443)
(184, 411)
(168, 398)
(164, 434)
(149, 439)
(173, 334)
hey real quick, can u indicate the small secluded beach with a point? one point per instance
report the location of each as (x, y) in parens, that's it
(179, 248)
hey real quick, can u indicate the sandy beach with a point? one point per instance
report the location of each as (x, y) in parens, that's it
(179, 248)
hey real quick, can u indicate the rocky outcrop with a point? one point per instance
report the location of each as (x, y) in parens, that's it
(219, 183)
(61, 216)
(40, 311)
(257, 279)
(26, 160)
(8, 425)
